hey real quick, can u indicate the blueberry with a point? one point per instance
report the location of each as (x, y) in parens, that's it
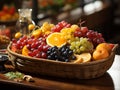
(67, 60)
(64, 53)
(73, 57)
(55, 52)
(48, 52)
(49, 57)
(52, 54)
(62, 49)
(54, 48)
(70, 52)
(56, 56)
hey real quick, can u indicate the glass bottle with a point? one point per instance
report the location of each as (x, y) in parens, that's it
(24, 20)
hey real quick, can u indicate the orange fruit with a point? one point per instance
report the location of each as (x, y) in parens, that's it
(25, 51)
(100, 54)
(18, 35)
(55, 39)
(31, 26)
(104, 45)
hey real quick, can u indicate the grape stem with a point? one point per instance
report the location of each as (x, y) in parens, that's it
(81, 22)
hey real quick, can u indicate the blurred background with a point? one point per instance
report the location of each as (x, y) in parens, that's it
(99, 15)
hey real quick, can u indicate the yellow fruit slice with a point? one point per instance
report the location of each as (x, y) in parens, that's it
(78, 59)
(55, 39)
(84, 57)
(25, 51)
(18, 35)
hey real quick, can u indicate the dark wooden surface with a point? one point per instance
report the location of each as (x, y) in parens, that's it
(109, 81)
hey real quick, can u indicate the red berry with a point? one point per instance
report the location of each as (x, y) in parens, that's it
(84, 30)
(78, 33)
(43, 55)
(40, 47)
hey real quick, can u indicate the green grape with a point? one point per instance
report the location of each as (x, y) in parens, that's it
(82, 48)
(79, 45)
(74, 50)
(77, 38)
(72, 47)
(76, 46)
(78, 50)
(73, 44)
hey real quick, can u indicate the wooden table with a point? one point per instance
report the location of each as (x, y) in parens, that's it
(109, 81)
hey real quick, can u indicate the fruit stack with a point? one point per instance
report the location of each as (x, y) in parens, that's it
(63, 42)
(8, 13)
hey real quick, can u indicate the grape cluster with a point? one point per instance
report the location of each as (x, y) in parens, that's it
(59, 26)
(20, 42)
(80, 45)
(93, 36)
(37, 46)
(63, 53)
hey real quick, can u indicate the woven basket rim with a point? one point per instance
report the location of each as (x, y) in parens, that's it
(60, 62)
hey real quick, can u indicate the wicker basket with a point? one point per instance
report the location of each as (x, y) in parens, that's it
(61, 69)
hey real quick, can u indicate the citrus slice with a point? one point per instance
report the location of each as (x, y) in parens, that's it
(55, 39)
(78, 59)
(84, 57)
(25, 51)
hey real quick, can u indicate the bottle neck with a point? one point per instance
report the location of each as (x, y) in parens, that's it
(25, 13)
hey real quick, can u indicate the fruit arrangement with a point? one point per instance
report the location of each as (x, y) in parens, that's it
(62, 42)
(8, 13)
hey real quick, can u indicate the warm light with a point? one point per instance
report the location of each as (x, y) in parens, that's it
(89, 8)
(92, 7)
(98, 5)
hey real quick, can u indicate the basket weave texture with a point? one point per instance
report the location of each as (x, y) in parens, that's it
(46, 67)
